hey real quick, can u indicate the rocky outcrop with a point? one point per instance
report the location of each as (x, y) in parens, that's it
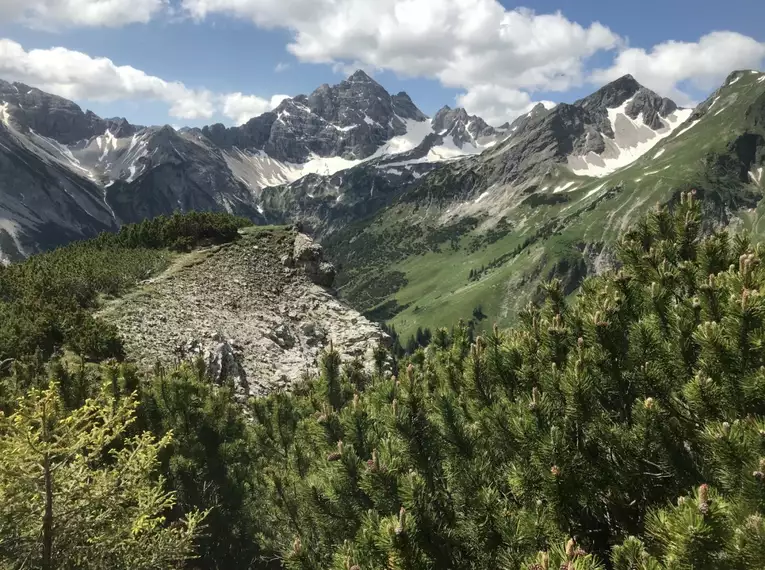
(309, 256)
(221, 359)
(351, 119)
(55, 117)
(461, 128)
(254, 320)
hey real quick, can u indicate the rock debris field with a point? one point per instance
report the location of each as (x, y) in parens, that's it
(258, 310)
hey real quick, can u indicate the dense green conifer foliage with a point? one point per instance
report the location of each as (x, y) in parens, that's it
(46, 302)
(624, 430)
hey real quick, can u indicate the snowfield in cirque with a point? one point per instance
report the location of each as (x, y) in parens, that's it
(632, 139)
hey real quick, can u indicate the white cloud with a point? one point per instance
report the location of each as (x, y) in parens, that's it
(704, 63)
(460, 42)
(281, 66)
(497, 105)
(79, 13)
(241, 108)
(500, 57)
(76, 75)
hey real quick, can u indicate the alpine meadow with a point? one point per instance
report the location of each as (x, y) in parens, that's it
(354, 329)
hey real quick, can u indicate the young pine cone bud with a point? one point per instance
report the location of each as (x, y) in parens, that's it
(703, 493)
(534, 398)
(570, 547)
(580, 342)
(297, 546)
(725, 429)
(759, 475)
(356, 401)
(355, 567)
(401, 526)
(545, 560)
(374, 463)
(681, 501)
(704, 499)
(394, 407)
(336, 455)
(410, 371)
(555, 471)
(649, 403)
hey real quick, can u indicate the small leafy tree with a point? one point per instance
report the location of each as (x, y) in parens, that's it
(77, 491)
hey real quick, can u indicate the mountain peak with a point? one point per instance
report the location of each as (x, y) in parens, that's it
(612, 94)
(360, 76)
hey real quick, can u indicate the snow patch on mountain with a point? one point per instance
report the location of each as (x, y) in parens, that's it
(5, 117)
(563, 187)
(686, 129)
(756, 175)
(593, 191)
(632, 139)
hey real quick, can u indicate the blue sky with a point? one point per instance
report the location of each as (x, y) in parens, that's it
(216, 48)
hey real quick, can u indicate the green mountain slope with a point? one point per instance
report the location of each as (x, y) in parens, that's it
(486, 231)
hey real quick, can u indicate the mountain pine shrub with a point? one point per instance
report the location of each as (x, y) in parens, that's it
(624, 430)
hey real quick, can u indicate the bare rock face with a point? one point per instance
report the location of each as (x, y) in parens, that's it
(221, 358)
(309, 256)
(257, 311)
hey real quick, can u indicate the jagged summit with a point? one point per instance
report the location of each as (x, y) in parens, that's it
(612, 94)
(360, 76)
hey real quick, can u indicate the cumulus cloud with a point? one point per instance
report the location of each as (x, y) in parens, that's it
(241, 108)
(704, 63)
(76, 75)
(465, 44)
(79, 13)
(496, 105)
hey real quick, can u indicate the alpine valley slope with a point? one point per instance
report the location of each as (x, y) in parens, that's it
(426, 219)
(549, 201)
(67, 174)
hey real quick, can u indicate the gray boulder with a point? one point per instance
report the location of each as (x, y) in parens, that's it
(309, 256)
(222, 359)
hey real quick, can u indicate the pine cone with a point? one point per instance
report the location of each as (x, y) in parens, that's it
(704, 492)
(334, 456)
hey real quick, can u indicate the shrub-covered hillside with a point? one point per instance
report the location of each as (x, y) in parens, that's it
(46, 301)
(626, 431)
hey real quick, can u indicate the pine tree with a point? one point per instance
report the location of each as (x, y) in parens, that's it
(77, 491)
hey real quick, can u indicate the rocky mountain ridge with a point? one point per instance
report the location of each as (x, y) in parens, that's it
(146, 171)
